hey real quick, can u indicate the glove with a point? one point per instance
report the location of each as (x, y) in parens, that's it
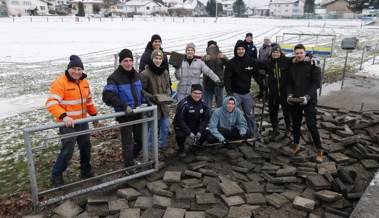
(192, 136)
(289, 96)
(129, 111)
(315, 61)
(225, 142)
(243, 137)
(219, 83)
(198, 135)
(154, 99)
(306, 99)
(176, 67)
(149, 103)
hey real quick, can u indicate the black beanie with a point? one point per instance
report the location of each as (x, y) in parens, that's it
(212, 42)
(155, 37)
(196, 87)
(75, 61)
(275, 47)
(125, 53)
(249, 34)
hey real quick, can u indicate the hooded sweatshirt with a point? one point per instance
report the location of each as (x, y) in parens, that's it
(222, 120)
(238, 72)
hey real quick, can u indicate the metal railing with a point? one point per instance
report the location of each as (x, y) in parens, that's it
(146, 117)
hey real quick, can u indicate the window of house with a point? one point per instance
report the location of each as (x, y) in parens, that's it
(26, 3)
(147, 7)
(42, 8)
(286, 5)
(285, 10)
(15, 3)
(120, 7)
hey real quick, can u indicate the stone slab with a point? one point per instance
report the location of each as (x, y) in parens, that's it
(230, 188)
(255, 199)
(240, 212)
(185, 194)
(129, 193)
(214, 187)
(97, 209)
(328, 196)
(130, 213)
(303, 204)
(205, 198)
(159, 184)
(338, 158)
(172, 176)
(191, 183)
(97, 200)
(138, 184)
(68, 209)
(328, 166)
(116, 205)
(195, 214)
(276, 200)
(144, 202)
(318, 182)
(216, 213)
(232, 200)
(161, 202)
(153, 212)
(270, 188)
(370, 164)
(174, 213)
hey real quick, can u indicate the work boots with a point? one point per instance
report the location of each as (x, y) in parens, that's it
(274, 132)
(287, 133)
(295, 148)
(319, 157)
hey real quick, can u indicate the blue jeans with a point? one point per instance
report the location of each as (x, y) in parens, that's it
(247, 103)
(164, 125)
(67, 150)
(208, 97)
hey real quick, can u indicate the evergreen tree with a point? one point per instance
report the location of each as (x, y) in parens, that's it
(356, 6)
(309, 6)
(211, 7)
(239, 7)
(81, 10)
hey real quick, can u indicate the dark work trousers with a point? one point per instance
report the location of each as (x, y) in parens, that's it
(273, 107)
(231, 135)
(181, 137)
(131, 138)
(261, 89)
(310, 112)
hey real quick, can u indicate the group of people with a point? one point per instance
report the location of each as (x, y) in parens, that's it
(70, 98)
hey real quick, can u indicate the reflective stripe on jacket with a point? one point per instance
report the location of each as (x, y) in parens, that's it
(68, 97)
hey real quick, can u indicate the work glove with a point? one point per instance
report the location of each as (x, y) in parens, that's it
(219, 83)
(198, 135)
(149, 103)
(225, 142)
(154, 99)
(306, 99)
(129, 111)
(192, 136)
(176, 67)
(289, 96)
(243, 137)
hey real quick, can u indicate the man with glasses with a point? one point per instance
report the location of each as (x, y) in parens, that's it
(191, 119)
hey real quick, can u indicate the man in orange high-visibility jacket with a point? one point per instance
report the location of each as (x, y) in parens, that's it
(70, 99)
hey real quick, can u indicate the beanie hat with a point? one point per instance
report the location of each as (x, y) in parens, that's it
(155, 37)
(75, 61)
(125, 53)
(190, 45)
(211, 42)
(275, 47)
(267, 37)
(196, 87)
(155, 53)
(249, 34)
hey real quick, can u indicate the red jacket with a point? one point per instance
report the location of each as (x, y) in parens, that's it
(66, 97)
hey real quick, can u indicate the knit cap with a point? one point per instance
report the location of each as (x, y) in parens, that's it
(190, 45)
(211, 42)
(125, 53)
(196, 87)
(275, 47)
(249, 34)
(75, 61)
(155, 37)
(155, 53)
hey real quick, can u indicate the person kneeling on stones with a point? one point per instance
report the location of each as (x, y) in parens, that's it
(227, 124)
(191, 119)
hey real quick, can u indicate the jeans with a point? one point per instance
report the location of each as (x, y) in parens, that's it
(131, 138)
(247, 103)
(208, 97)
(181, 96)
(67, 150)
(310, 112)
(164, 125)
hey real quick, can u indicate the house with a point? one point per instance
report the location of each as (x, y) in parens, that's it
(261, 11)
(370, 11)
(338, 9)
(87, 4)
(144, 7)
(227, 8)
(27, 7)
(189, 8)
(3, 10)
(286, 8)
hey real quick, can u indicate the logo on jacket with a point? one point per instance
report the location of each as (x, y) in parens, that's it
(191, 111)
(249, 68)
(201, 111)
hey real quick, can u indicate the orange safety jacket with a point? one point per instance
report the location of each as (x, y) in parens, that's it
(66, 97)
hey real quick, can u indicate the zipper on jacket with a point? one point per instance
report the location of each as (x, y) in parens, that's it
(81, 98)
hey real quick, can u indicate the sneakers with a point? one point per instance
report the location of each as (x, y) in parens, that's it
(214, 150)
(182, 152)
(88, 175)
(57, 181)
(233, 147)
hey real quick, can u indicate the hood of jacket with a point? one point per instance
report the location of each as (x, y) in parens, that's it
(240, 43)
(225, 102)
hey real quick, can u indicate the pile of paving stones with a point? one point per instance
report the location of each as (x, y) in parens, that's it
(255, 182)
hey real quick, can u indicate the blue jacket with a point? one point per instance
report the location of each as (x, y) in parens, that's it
(123, 88)
(191, 116)
(223, 120)
(146, 56)
(251, 50)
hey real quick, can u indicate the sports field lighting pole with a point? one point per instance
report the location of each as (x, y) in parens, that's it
(88, 10)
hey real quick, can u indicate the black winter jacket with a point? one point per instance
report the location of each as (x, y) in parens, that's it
(191, 116)
(238, 72)
(251, 50)
(304, 79)
(147, 55)
(278, 71)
